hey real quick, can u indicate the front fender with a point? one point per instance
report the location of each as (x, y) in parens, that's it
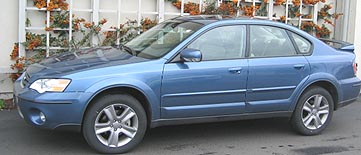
(148, 92)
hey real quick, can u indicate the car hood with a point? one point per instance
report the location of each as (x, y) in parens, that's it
(92, 58)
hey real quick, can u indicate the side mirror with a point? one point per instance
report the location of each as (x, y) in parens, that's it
(190, 55)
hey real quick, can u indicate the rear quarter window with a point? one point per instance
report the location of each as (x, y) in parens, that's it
(304, 46)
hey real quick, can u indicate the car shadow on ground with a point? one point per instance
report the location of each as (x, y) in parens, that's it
(163, 137)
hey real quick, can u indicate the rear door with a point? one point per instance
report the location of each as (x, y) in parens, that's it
(276, 68)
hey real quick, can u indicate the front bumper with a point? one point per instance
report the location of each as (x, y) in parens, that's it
(59, 109)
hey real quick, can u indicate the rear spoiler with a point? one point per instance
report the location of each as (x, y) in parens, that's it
(339, 45)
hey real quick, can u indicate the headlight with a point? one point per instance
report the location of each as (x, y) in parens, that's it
(50, 85)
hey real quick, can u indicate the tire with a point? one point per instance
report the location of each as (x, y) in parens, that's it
(313, 112)
(114, 123)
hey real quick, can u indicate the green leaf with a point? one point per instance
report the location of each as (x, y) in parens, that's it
(2, 104)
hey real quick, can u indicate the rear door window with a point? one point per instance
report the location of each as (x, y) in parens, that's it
(268, 41)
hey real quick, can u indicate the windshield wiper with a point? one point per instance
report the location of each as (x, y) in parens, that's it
(127, 49)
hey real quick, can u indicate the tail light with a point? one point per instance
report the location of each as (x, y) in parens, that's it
(354, 68)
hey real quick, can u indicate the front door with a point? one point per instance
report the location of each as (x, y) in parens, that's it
(216, 85)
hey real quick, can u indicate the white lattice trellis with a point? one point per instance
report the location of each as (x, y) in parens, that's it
(160, 13)
(95, 10)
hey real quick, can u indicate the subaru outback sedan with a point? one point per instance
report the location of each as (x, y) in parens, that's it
(190, 69)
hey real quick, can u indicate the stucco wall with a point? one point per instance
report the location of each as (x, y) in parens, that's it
(8, 36)
(355, 31)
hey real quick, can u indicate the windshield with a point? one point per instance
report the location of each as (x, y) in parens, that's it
(162, 38)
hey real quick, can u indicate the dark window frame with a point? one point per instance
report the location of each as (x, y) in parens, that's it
(310, 51)
(174, 59)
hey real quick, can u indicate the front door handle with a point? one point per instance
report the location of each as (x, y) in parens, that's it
(299, 66)
(236, 70)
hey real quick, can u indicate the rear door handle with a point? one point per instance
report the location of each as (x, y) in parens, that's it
(236, 70)
(299, 66)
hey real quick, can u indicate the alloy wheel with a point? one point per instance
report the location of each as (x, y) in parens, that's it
(116, 125)
(315, 112)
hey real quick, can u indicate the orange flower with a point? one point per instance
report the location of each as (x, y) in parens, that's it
(177, 4)
(249, 10)
(88, 25)
(40, 3)
(318, 28)
(49, 29)
(147, 23)
(312, 2)
(298, 14)
(329, 22)
(336, 15)
(57, 4)
(279, 2)
(33, 42)
(296, 2)
(190, 7)
(65, 22)
(15, 52)
(28, 36)
(97, 29)
(76, 27)
(309, 16)
(103, 21)
(283, 18)
(328, 7)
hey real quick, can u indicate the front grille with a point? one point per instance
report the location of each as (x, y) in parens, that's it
(25, 80)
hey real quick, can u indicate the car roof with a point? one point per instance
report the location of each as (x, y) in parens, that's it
(219, 19)
(208, 19)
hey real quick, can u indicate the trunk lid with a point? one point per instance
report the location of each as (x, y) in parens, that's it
(340, 45)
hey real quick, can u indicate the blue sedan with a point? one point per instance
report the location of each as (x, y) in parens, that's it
(189, 70)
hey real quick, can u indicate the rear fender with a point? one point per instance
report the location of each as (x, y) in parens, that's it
(314, 78)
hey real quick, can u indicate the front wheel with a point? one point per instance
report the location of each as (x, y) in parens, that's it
(114, 123)
(313, 112)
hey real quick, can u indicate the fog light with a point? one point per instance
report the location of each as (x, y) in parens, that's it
(42, 117)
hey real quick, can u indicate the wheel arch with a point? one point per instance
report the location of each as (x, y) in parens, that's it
(136, 92)
(328, 85)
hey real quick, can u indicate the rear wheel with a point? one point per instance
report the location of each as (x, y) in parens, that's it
(313, 112)
(114, 124)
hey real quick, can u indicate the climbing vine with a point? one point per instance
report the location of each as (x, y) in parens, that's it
(230, 7)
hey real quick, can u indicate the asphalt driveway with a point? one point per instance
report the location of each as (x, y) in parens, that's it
(256, 137)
